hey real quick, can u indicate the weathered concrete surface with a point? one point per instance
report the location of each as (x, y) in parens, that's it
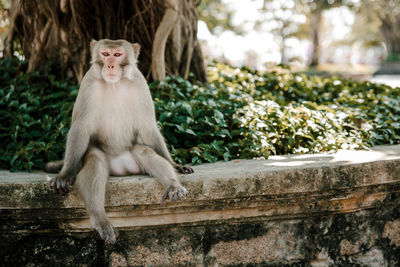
(313, 210)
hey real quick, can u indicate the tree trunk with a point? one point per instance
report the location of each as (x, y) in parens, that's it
(284, 59)
(61, 31)
(316, 16)
(390, 30)
(12, 16)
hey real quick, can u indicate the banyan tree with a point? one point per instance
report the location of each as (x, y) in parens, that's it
(60, 31)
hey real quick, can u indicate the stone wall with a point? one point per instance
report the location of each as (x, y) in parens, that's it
(299, 210)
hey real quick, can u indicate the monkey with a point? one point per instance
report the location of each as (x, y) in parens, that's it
(113, 132)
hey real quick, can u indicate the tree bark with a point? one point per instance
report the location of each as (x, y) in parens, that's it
(60, 31)
(160, 39)
(390, 30)
(14, 19)
(316, 17)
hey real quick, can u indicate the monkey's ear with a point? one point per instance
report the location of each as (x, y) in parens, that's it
(92, 44)
(136, 49)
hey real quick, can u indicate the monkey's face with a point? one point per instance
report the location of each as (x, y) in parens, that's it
(112, 60)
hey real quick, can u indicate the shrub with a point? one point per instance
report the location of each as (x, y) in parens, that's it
(240, 113)
(35, 111)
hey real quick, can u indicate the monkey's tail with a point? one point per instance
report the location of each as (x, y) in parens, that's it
(54, 166)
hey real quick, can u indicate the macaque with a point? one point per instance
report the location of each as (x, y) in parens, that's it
(113, 132)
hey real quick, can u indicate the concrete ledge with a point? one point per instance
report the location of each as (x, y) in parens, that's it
(255, 207)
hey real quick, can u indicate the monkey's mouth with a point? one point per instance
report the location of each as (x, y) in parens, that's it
(112, 78)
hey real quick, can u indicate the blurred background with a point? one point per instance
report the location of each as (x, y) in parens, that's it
(350, 38)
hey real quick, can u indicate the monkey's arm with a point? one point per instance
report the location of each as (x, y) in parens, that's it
(77, 144)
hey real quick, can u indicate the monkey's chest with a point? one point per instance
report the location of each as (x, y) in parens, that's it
(115, 124)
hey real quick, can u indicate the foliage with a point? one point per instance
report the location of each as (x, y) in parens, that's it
(380, 25)
(394, 57)
(240, 113)
(217, 15)
(245, 114)
(35, 111)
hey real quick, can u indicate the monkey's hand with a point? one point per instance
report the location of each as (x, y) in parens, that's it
(174, 193)
(60, 183)
(183, 169)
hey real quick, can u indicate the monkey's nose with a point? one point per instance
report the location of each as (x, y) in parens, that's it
(110, 66)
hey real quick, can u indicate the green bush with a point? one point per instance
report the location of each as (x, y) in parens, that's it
(240, 113)
(394, 57)
(35, 116)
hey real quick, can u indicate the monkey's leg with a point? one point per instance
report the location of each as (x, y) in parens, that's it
(161, 169)
(91, 182)
(157, 142)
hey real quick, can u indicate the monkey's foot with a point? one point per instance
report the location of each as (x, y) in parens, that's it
(107, 232)
(174, 193)
(60, 183)
(184, 169)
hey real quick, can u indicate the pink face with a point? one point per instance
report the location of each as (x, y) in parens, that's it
(112, 59)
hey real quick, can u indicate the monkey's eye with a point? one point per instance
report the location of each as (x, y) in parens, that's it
(117, 54)
(106, 54)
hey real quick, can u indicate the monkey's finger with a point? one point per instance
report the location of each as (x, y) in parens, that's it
(53, 185)
(188, 170)
(110, 241)
(58, 184)
(178, 195)
(63, 183)
(53, 182)
(185, 169)
(55, 190)
(64, 190)
(164, 197)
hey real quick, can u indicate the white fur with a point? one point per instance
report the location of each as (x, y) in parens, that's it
(111, 78)
(123, 164)
(129, 72)
(112, 106)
